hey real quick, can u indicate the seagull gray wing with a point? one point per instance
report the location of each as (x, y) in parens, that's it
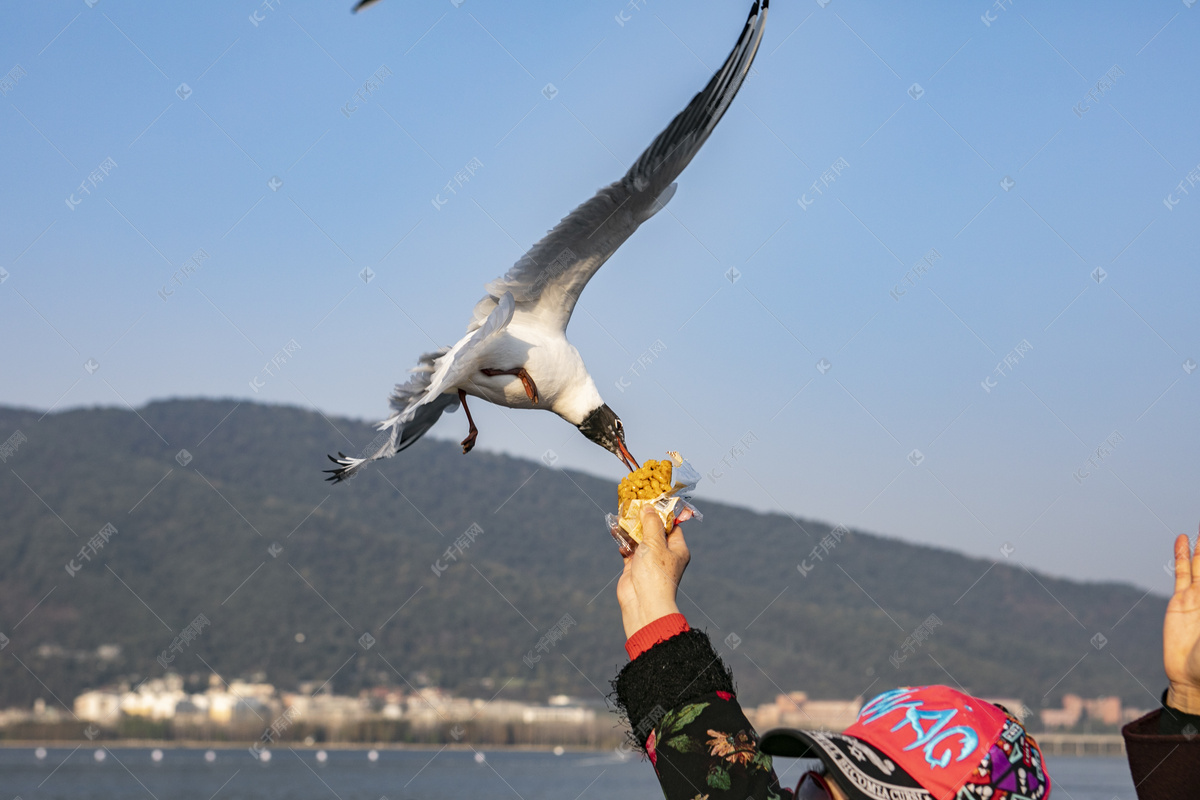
(549, 278)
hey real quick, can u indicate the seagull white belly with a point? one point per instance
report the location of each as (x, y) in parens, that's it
(552, 364)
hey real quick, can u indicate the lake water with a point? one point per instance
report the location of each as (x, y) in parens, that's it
(233, 774)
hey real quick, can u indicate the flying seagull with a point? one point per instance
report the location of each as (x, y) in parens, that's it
(515, 353)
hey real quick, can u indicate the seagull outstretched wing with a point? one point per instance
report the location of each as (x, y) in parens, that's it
(550, 277)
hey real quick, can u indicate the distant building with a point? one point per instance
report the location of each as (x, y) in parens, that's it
(795, 710)
(1106, 711)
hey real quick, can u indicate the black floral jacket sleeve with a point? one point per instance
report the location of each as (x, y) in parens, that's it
(678, 698)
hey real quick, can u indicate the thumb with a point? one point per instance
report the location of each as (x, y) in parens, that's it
(652, 528)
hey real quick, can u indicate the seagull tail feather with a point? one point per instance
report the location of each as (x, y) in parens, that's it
(409, 421)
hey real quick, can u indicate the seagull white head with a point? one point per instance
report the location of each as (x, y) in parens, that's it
(604, 427)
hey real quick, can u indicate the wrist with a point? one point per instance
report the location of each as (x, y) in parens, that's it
(1184, 698)
(660, 630)
(657, 611)
(638, 618)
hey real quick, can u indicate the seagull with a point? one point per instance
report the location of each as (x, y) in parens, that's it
(515, 352)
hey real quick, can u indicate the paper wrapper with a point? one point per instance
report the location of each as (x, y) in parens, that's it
(626, 525)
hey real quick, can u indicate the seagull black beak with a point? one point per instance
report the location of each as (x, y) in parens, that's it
(626, 456)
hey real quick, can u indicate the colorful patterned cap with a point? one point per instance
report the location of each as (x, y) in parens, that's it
(925, 743)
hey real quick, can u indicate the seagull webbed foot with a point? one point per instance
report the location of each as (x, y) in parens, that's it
(526, 381)
(473, 433)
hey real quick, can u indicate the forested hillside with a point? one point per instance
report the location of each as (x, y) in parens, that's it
(221, 509)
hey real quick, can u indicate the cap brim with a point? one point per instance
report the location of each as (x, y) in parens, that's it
(861, 771)
(788, 743)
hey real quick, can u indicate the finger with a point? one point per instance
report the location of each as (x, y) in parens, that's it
(1183, 564)
(676, 543)
(684, 516)
(1195, 558)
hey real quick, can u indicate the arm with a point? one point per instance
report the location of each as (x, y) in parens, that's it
(677, 693)
(1164, 746)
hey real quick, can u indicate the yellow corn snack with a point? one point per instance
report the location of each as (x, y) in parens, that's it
(649, 482)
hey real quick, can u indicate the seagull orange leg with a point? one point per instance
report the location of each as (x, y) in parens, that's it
(468, 442)
(526, 381)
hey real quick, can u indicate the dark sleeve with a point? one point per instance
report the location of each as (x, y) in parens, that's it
(1164, 753)
(678, 698)
(1173, 722)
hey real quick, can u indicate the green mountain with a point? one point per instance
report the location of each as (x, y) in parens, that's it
(221, 509)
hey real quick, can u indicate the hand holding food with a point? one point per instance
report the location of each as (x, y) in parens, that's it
(659, 485)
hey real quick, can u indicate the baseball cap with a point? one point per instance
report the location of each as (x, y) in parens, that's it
(924, 743)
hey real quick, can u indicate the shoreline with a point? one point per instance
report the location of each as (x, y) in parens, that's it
(199, 744)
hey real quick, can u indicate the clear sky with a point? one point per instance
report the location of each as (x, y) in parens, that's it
(936, 268)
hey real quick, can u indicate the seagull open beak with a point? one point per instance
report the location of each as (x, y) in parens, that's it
(627, 457)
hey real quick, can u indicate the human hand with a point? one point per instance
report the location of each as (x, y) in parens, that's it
(647, 587)
(1181, 631)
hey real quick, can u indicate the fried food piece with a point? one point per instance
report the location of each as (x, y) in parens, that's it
(647, 483)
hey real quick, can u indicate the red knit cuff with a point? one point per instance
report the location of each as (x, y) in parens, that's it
(660, 630)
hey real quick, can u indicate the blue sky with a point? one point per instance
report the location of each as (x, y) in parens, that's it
(977, 332)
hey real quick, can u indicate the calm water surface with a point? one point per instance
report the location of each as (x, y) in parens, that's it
(185, 774)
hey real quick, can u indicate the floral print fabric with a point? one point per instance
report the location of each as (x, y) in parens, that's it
(707, 750)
